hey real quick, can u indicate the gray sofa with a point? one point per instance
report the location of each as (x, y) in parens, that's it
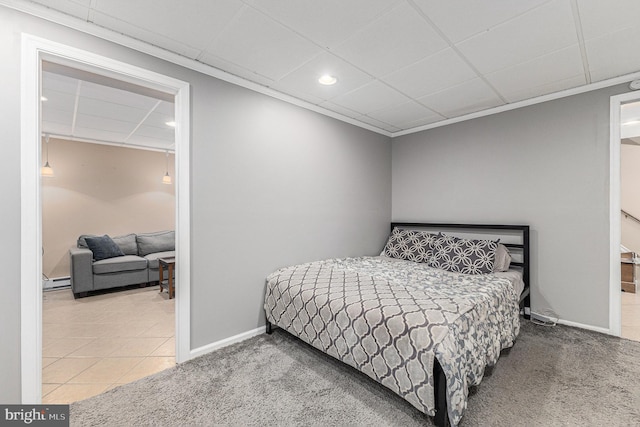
(138, 265)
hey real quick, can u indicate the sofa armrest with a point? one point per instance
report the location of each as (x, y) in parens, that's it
(81, 270)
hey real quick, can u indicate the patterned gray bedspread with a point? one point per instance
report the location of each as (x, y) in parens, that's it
(390, 318)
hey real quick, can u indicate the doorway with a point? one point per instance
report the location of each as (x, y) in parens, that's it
(630, 219)
(624, 306)
(34, 51)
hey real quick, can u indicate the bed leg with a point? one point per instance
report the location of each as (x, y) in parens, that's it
(441, 418)
(269, 328)
(527, 304)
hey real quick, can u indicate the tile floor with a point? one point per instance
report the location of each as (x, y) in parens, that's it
(631, 316)
(93, 344)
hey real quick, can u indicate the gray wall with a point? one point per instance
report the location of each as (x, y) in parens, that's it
(272, 184)
(546, 165)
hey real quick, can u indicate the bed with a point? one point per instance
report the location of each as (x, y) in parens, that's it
(424, 319)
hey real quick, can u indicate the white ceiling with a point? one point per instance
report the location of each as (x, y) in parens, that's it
(82, 106)
(400, 64)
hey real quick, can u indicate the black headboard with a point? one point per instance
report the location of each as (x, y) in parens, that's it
(523, 246)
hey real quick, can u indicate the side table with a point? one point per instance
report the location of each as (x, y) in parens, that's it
(168, 263)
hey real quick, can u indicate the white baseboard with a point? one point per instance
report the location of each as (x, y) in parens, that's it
(56, 282)
(225, 342)
(574, 324)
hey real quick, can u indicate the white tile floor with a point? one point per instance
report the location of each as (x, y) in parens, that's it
(631, 316)
(92, 344)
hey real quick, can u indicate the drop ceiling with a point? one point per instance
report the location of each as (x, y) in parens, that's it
(82, 106)
(400, 64)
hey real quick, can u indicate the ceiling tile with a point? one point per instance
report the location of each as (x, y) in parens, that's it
(258, 43)
(193, 23)
(372, 97)
(461, 19)
(109, 110)
(432, 74)
(328, 22)
(159, 120)
(58, 100)
(422, 122)
(166, 108)
(165, 134)
(463, 99)
(400, 115)
(600, 17)
(236, 70)
(538, 32)
(339, 109)
(60, 83)
(57, 116)
(112, 95)
(629, 117)
(305, 79)
(397, 39)
(377, 123)
(99, 135)
(77, 8)
(533, 76)
(56, 128)
(614, 54)
(137, 32)
(101, 123)
(545, 89)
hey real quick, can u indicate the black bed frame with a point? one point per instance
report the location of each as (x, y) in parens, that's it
(441, 417)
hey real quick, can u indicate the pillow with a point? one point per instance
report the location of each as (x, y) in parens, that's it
(82, 242)
(127, 244)
(463, 255)
(503, 259)
(162, 241)
(103, 247)
(409, 245)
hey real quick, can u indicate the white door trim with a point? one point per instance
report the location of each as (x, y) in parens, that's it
(615, 309)
(34, 50)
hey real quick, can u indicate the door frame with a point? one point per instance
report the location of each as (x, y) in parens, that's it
(33, 50)
(615, 226)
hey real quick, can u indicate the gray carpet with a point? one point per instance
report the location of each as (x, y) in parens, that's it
(552, 377)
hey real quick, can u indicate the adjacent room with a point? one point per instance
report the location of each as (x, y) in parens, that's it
(107, 172)
(387, 212)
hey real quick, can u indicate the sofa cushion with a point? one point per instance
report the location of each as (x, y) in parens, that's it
(103, 247)
(119, 264)
(127, 243)
(162, 241)
(152, 259)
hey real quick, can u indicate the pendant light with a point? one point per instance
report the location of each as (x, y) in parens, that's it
(47, 170)
(166, 179)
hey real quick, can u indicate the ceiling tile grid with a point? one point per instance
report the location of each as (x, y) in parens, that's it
(399, 63)
(84, 110)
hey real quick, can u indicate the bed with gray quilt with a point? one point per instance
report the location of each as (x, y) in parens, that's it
(396, 316)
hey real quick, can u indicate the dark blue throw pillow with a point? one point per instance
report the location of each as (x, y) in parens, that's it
(103, 247)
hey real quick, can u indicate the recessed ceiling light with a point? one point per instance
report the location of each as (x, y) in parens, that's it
(172, 124)
(44, 98)
(327, 80)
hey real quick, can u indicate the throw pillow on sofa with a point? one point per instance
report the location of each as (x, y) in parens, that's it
(103, 247)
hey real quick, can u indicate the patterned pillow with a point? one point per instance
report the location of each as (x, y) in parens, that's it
(410, 245)
(463, 255)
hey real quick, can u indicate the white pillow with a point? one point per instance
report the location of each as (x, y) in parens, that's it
(503, 259)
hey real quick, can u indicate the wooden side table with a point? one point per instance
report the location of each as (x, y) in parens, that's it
(168, 263)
